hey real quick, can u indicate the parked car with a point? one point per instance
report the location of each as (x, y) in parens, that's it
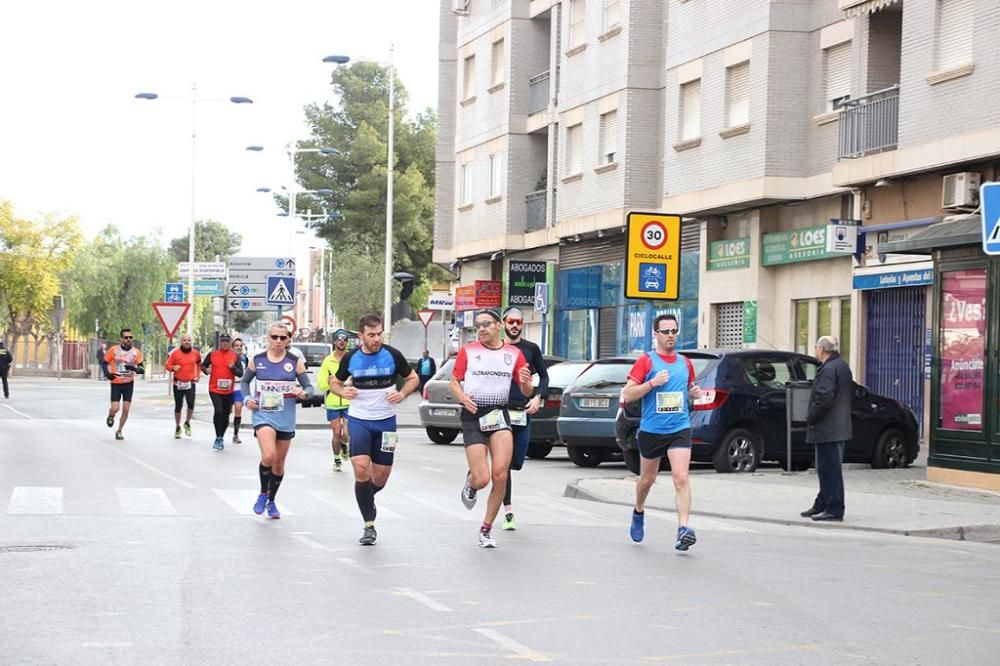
(544, 434)
(740, 420)
(586, 423)
(313, 354)
(440, 413)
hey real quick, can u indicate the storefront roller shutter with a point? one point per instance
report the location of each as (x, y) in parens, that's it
(607, 332)
(729, 325)
(592, 252)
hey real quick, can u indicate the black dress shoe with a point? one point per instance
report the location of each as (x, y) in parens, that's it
(826, 515)
(809, 513)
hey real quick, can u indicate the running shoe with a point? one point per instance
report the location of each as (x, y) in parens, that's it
(486, 539)
(260, 504)
(368, 538)
(218, 446)
(187, 429)
(336, 465)
(685, 538)
(468, 494)
(110, 421)
(508, 521)
(177, 433)
(272, 511)
(119, 435)
(237, 440)
(637, 531)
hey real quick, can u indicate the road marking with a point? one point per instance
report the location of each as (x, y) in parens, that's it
(432, 469)
(422, 598)
(36, 499)
(30, 418)
(522, 651)
(144, 464)
(451, 506)
(987, 630)
(107, 645)
(347, 507)
(311, 543)
(575, 515)
(241, 500)
(145, 502)
(354, 565)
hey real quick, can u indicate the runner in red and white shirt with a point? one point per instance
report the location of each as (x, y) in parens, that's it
(481, 381)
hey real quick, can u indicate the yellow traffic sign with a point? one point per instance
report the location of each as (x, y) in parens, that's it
(653, 256)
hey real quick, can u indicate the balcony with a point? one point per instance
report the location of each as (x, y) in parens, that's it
(538, 92)
(869, 124)
(535, 214)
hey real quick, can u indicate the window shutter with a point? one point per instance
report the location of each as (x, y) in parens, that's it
(738, 95)
(838, 75)
(498, 62)
(691, 110)
(574, 138)
(955, 30)
(609, 137)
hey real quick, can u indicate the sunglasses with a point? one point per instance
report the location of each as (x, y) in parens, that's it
(279, 337)
(514, 322)
(126, 337)
(667, 331)
(484, 324)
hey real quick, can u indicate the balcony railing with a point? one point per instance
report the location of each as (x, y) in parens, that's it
(535, 204)
(538, 92)
(869, 124)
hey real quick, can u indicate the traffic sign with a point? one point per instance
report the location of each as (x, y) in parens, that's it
(291, 323)
(173, 292)
(204, 269)
(425, 316)
(270, 265)
(242, 304)
(652, 256)
(209, 288)
(542, 297)
(242, 289)
(280, 290)
(171, 315)
(440, 301)
(989, 199)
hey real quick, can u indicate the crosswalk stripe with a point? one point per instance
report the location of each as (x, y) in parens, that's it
(563, 510)
(348, 507)
(451, 506)
(36, 499)
(241, 500)
(145, 502)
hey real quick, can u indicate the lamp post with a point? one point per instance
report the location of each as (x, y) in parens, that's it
(194, 99)
(390, 164)
(291, 207)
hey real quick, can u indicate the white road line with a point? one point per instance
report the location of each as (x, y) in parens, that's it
(347, 506)
(354, 565)
(582, 517)
(144, 464)
(30, 418)
(422, 598)
(241, 500)
(432, 469)
(311, 543)
(36, 499)
(522, 651)
(145, 502)
(450, 505)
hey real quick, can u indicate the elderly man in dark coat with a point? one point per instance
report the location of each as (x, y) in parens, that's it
(829, 428)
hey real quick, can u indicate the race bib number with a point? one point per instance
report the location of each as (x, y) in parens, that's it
(224, 384)
(669, 402)
(492, 421)
(120, 369)
(272, 402)
(182, 386)
(518, 417)
(389, 440)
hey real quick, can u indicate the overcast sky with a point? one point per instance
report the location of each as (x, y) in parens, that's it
(74, 140)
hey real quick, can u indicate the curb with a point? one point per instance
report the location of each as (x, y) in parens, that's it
(978, 533)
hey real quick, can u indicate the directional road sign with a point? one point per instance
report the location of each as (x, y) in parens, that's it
(280, 290)
(269, 265)
(653, 256)
(204, 269)
(989, 199)
(173, 292)
(248, 276)
(248, 305)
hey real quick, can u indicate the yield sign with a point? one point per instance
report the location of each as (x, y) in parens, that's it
(171, 315)
(425, 316)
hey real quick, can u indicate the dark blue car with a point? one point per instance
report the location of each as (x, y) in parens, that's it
(740, 420)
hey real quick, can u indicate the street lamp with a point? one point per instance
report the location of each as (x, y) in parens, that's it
(390, 164)
(194, 99)
(323, 191)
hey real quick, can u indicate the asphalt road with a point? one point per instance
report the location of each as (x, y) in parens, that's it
(157, 559)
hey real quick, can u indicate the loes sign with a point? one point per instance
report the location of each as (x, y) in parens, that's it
(522, 276)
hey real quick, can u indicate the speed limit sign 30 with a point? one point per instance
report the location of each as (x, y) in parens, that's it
(654, 235)
(652, 256)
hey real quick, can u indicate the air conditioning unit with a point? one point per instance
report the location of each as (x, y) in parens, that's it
(460, 7)
(960, 190)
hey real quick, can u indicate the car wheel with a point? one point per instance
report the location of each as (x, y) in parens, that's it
(737, 452)
(890, 450)
(441, 435)
(585, 456)
(539, 450)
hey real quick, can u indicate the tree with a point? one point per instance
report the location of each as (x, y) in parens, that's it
(356, 287)
(211, 239)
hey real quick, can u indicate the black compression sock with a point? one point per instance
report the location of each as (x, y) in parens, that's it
(365, 494)
(236, 425)
(265, 478)
(506, 496)
(272, 490)
(375, 488)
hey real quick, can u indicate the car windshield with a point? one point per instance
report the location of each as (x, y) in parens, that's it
(702, 364)
(315, 352)
(600, 375)
(561, 374)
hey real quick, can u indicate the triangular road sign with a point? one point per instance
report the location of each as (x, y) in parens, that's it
(171, 315)
(425, 316)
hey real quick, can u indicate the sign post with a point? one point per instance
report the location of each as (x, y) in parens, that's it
(542, 305)
(652, 256)
(989, 199)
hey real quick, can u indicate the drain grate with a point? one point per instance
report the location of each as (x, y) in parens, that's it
(33, 549)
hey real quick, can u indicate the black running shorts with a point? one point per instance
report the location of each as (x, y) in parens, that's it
(653, 446)
(122, 392)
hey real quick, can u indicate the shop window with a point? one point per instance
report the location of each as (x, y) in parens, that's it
(845, 328)
(824, 317)
(802, 327)
(807, 331)
(963, 347)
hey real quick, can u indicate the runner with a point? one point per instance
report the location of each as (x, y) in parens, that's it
(513, 320)
(336, 407)
(239, 350)
(124, 363)
(5, 362)
(273, 406)
(184, 362)
(664, 380)
(223, 366)
(372, 369)
(481, 381)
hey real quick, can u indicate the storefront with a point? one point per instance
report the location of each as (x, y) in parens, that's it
(472, 297)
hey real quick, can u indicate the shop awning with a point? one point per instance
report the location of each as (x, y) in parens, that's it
(855, 8)
(954, 231)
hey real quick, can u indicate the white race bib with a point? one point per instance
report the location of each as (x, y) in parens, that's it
(224, 384)
(518, 417)
(182, 386)
(492, 421)
(272, 402)
(669, 402)
(389, 440)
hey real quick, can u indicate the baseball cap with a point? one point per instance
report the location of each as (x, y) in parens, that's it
(224, 336)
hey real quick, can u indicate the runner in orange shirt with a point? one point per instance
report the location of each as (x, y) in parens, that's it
(184, 362)
(124, 363)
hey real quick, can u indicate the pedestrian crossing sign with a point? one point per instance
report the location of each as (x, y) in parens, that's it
(989, 199)
(281, 290)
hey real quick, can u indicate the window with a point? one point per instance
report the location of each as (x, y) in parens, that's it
(612, 13)
(691, 110)
(498, 62)
(824, 314)
(802, 327)
(496, 174)
(767, 373)
(609, 137)
(837, 75)
(738, 95)
(845, 328)
(807, 331)
(574, 155)
(955, 30)
(466, 184)
(963, 349)
(577, 13)
(469, 77)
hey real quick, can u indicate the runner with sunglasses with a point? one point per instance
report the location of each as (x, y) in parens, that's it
(124, 362)
(222, 366)
(336, 407)
(281, 378)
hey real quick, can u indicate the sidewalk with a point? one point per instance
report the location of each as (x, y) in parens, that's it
(897, 501)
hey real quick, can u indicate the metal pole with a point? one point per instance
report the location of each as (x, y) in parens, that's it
(545, 330)
(194, 135)
(788, 426)
(387, 305)
(322, 291)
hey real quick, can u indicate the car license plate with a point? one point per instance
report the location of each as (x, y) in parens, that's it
(444, 412)
(595, 403)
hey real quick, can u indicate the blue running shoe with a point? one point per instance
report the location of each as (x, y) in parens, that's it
(218, 446)
(272, 511)
(637, 531)
(260, 504)
(685, 538)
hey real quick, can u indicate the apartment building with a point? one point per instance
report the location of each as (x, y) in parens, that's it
(761, 122)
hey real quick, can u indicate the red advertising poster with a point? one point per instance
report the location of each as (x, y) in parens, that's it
(963, 345)
(489, 293)
(465, 298)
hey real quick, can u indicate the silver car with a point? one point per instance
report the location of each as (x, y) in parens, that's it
(439, 411)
